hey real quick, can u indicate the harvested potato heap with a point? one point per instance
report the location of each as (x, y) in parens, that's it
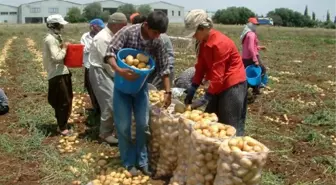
(139, 62)
(66, 144)
(200, 92)
(113, 174)
(184, 141)
(156, 97)
(241, 161)
(79, 103)
(205, 141)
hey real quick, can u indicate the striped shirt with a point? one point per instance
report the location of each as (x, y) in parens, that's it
(130, 37)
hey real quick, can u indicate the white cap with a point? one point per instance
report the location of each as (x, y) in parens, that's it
(56, 18)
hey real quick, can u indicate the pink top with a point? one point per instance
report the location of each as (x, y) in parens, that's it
(250, 46)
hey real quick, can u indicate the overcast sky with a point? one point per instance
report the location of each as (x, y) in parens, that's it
(320, 7)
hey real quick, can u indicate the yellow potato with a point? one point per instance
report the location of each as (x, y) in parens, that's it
(136, 62)
(141, 65)
(142, 58)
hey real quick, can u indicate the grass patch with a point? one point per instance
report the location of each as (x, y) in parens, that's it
(269, 178)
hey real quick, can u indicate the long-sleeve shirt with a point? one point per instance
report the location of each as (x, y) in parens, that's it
(99, 46)
(53, 56)
(220, 62)
(130, 37)
(169, 47)
(86, 40)
(250, 46)
(3, 98)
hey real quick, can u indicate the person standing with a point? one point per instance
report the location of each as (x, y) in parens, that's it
(96, 25)
(101, 75)
(250, 42)
(226, 95)
(4, 108)
(59, 77)
(155, 78)
(144, 37)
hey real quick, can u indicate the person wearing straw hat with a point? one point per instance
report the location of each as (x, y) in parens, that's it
(250, 42)
(226, 95)
(144, 37)
(96, 25)
(59, 77)
(101, 75)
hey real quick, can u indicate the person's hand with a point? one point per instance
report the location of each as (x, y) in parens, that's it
(256, 63)
(202, 101)
(263, 48)
(128, 74)
(190, 95)
(65, 45)
(167, 99)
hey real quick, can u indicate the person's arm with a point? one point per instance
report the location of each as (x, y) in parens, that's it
(86, 44)
(163, 64)
(250, 37)
(221, 60)
(57, 53)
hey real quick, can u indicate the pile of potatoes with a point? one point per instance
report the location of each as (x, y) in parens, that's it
(156, 97)
(205, 141)
(119, 176)
(154, 146)
(199, 116)
(79, 103)
(241, 161)
(139, 62)
(66, 144)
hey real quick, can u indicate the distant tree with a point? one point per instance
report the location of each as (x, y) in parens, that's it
(328, 16)
(233, 15)
(144, 9)
(313, 16)
(127, 9)
(306, 11)
(105, 16)
(335, 20)
(291, 18)
(92, 11)
(277, 20)
(74, 15)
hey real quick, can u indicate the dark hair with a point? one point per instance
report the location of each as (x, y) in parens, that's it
(158, 21)
(56, 26)
(139, 19)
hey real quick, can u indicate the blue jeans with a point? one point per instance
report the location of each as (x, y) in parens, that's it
(132, 154)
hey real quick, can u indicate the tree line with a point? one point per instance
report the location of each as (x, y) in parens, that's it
(231, 15)
(281, 17)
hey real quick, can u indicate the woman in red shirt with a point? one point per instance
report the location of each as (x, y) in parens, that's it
(219, 62)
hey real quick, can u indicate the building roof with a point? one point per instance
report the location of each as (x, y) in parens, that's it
(8, 5)
(103, 1)
(44, 0)
(165, 3)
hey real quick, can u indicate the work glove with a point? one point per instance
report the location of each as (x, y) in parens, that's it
(190, 94)
(202, 101)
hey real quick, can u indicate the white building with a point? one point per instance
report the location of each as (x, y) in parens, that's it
(38, 11)
(175, 13)
(8, 14)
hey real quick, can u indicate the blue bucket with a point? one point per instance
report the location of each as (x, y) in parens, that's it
(131, 87)
(264, 79)
(253, 74)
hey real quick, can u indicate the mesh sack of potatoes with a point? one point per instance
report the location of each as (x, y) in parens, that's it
(184, 140)
(241, 161)
(169, 132)
(205, 141)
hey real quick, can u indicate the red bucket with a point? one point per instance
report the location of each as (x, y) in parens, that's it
(74, 55)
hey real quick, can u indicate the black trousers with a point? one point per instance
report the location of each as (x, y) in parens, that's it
(88, 87)
(60, 98)
(230, 106)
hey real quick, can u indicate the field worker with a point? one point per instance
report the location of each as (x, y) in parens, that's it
(249, 40)
(145, 37)
(95, 26)
(59, 77)
(227, 92)
(4, 108)
(101, 75)
(155, 78)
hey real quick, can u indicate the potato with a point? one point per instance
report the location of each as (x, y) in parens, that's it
(135, 62)
(141, 65)
(129, 59)
(142, 58)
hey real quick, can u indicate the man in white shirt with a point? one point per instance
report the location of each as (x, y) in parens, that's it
(101, 74)
(96, 25)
